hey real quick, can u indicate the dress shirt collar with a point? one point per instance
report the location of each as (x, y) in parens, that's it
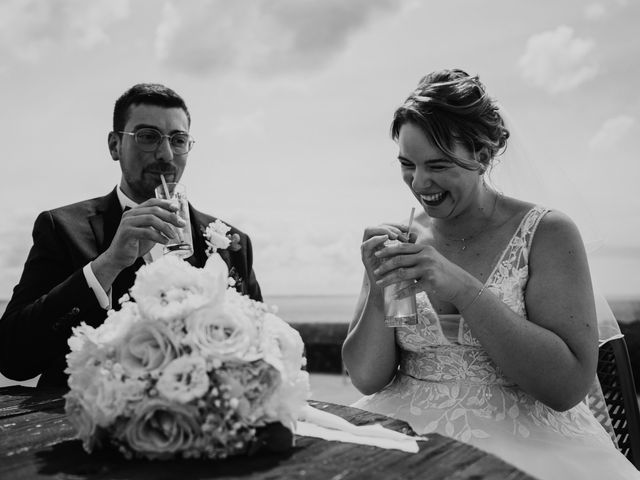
(124, 200)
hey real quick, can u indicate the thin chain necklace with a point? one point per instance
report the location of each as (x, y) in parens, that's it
(465, 239)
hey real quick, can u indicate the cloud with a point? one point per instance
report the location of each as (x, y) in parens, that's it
(612, 132)
(595, 11)
(29, 29)
(303, 256)
(260, 37)
(252, 124)
(557, 61)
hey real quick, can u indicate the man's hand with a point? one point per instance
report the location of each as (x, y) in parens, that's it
(140, 228)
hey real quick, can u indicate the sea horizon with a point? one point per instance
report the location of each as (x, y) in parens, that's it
(339, 308)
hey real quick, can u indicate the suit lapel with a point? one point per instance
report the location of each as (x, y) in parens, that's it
(199, 223)
(105, 221)
(104, 224)
(199, 257)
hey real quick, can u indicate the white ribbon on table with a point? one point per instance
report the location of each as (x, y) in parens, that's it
(325, 425)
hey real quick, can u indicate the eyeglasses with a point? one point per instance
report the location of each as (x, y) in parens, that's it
(149, 139)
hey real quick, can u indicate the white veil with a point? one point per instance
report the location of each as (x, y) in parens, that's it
(517, 174)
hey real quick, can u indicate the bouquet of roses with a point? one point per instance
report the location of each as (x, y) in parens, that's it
(190, 368)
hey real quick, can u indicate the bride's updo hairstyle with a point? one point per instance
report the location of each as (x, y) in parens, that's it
(451, 107)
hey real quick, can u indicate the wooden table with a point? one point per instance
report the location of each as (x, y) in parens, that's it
(37, 442)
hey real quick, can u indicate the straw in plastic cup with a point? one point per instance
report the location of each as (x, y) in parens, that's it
(399, 312)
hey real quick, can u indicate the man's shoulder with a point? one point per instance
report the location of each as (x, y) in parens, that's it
(78, 212)
(84, 207)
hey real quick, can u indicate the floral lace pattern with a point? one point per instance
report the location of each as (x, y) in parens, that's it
(451, 385)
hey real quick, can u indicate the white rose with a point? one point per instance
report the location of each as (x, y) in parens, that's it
(158, 429)
(148, 347)
(184, 379)
(218, 334)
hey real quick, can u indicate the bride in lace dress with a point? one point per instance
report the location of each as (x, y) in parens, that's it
(506, 345)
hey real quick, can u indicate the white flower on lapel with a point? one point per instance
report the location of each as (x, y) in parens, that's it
(217, 236)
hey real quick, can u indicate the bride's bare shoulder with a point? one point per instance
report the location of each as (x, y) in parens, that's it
(516, 209)
(510, 212)
(556, 231)
(513, 207)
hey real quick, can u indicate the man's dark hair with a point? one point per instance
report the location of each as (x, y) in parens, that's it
(145, 94)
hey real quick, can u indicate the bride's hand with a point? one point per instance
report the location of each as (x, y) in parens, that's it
(432, 272)
(373, 241)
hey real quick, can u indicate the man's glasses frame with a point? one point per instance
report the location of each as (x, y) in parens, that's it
(181, 143)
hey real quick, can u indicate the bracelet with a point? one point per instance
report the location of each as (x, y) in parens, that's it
(480, 292)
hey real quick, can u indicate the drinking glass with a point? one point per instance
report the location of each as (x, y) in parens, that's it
(182, 246)
(399, 311)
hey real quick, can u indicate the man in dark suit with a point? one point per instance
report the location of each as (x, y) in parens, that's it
(84, 256)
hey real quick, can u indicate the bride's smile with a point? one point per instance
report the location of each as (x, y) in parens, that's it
(443, 188)
(434, 199)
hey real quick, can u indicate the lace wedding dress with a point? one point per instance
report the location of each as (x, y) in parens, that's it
(446, 383)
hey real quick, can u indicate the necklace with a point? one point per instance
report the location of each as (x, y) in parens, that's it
(465, 239)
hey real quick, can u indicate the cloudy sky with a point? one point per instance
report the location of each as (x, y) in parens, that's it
(291, 102)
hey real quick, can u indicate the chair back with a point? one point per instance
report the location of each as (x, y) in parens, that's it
(618, 389)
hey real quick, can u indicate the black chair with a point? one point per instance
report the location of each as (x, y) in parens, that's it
(616, 381)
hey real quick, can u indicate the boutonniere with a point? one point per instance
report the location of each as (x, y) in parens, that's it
(217, 237)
